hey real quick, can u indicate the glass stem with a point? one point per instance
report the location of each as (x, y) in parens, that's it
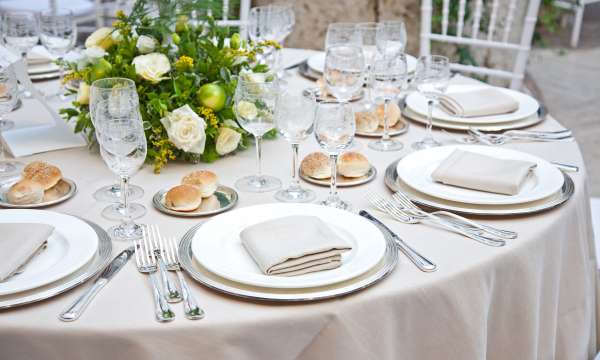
(61, 77)
(125, 199)
(295, 183)
(333, 186)
(386, 130)
(368, 89)
(428, 134)
(258, 156)
(2, 155)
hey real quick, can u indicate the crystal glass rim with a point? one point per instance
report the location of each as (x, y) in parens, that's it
(96, 83)
(55, 12)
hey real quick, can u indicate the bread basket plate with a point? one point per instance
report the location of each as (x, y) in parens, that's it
(224, 199)
(399, 128)
(316, 92)
(342, 181)
(5, 186)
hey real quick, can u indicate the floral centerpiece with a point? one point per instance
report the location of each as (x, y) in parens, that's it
(185, 68)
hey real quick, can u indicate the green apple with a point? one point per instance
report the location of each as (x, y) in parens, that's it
(212, 96)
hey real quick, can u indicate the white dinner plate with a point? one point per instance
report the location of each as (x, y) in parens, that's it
(317, 62)
(217, 245)
(40, 69)
(528, 106)
(70, 247)
(415, 170)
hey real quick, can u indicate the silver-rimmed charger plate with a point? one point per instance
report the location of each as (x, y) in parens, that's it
(395, 184)
(342, 181)
(399, 128)
(5, 186)
(315, 92)
(99, 262)
(206, 278)
(226, 196)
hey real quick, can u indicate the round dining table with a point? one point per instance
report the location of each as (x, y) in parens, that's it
(535, 298)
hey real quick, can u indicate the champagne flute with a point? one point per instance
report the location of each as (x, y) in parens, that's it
(254, 107)
(21, 33)
(389, 76)
(8, 100)
(344, 69)
(368, 35)
(102, 90)
(58, 33)
(431, 78)
(334, 131)
(391, 38)
(342, 34)
(295, 115)
(124, 149)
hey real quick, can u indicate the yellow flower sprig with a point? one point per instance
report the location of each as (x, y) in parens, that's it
(209, 116)
(184, 63)
(164, 147)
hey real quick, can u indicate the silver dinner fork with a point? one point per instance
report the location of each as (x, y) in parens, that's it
(169, 250)
(145, 259)
(152, 233)
(478, 136)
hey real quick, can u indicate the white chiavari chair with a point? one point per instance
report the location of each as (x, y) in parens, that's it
(500, 21)
(577, 6)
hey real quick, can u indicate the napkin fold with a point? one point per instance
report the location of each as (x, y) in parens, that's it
(481, 172)
(19, 243)
(39, 55)
(485, 101)
(294, 245)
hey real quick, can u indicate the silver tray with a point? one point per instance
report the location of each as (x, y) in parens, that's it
(399, 128)
(342, 181)
(395, 184)
(210, 280)
(99, 262)
(45, 76)
(5, 186)
(227, 197)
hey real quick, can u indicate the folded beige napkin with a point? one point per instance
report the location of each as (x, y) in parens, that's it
(481, 172)
(294, 245)
(481, 102)
(39, 55)
(19, 243)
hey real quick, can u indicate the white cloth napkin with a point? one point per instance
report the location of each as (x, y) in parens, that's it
(480, 102)
(39, 55)
(481, 172)
(294, 245)
(18, 243)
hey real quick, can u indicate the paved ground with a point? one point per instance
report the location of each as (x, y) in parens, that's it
(569, 82)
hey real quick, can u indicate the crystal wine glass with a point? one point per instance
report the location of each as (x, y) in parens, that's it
(254, 106)
(295, 115)
(58, 33)
(391, 38)
(389, 77)
(344, 69)
(8, 99)
(342, 34)
(334, 131)
(268, 23)
(124, 149)
(431, 78)
(368, 35)
(21, 33)
(101, 90)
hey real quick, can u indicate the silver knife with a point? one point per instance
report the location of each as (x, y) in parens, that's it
(423, 263)
(74, 311)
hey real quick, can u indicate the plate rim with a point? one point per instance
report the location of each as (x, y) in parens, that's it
(398, 132)
(72, 192)
(156, 201)
(326, 182)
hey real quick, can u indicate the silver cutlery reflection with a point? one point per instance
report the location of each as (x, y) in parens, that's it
(74, 311)
(420, 261)
(168, 248)
(477, 136)
(152, 233)
(409, 217)
(145, 259)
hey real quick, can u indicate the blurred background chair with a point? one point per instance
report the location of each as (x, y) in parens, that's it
(577, 6)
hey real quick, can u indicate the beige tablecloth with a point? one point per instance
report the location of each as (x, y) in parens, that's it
(532, 299)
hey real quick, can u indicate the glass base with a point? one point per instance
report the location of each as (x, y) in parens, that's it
(426, 143)
(6, 125)
(295, 195)
(25, 94)
(112, 193)
(336, 203)
(10, 168)
(254, 183)
(386, 145)
(125, 232)
(115, 211)
(58, 97)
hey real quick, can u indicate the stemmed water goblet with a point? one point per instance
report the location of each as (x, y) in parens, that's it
(254, 106)
(123, 148)
(334, 131)
(8, 99)
(269, 22)
(113, 89)
(368, 35)
(344, 69)
(431, 78)
(391, 38)
(295, 116)
(342, 34)
(389, 77)
(58, 33)
(21, 33)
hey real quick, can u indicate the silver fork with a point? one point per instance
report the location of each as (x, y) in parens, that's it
(152, 233)
(145, 260)
(171, 256)
(500, 139)
(405, 216)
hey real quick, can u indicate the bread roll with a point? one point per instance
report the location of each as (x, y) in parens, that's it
(183, 198)
(366, 122)
(206, 181)
(43, 173)
(57, 191)
(210, 203)
(352, 164)
(393, 114)
(25, 192)
(316, 165)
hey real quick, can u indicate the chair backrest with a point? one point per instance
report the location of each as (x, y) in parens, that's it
(495, 36)
(241, 22)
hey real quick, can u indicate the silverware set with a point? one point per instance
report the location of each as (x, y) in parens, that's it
(495, 139)
(156, 256)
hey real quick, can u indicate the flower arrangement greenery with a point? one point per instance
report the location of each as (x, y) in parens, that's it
(185, 68)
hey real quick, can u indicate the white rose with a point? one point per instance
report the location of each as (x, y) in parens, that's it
(117, 37)
(247, 110)
(152, 67)
(101, 37)
(94, 52)
(83, 93)
(145, 44)
(231, 123)
(227, 140)
(186, 129)
(257, 78)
